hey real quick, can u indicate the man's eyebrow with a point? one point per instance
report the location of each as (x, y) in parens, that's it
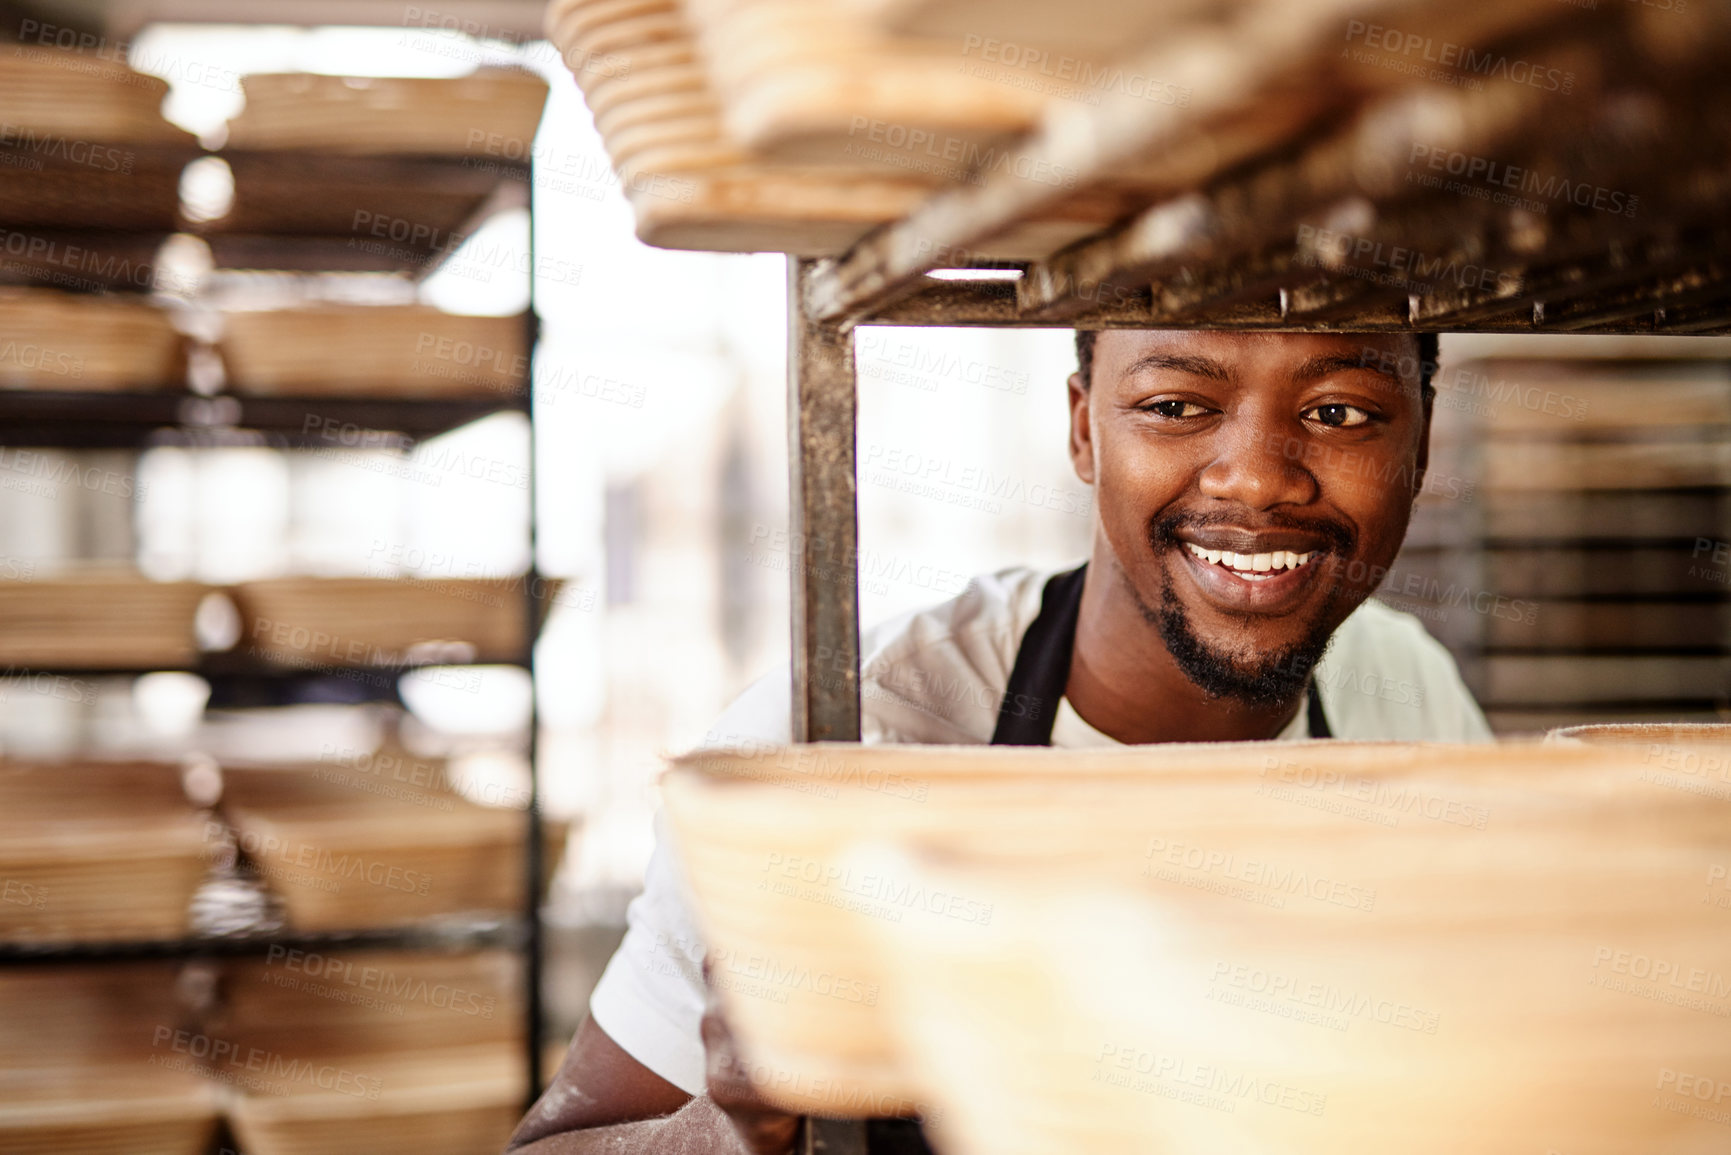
(1190, 363)
(1323, 365)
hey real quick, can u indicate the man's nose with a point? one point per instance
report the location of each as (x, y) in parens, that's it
(1258, 466)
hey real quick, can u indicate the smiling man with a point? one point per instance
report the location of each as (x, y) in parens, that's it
(1252, 490)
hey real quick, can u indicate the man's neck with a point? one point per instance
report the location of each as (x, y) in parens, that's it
(1125, 683)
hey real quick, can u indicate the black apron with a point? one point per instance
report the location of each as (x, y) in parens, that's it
(1025, 718)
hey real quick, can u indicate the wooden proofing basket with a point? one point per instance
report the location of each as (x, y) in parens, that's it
(96, 852)
(1231, 948)
(372, 350)
(76, 342)
(99, 620)
(440, 1101)
(343, 858)
(381, 1050)
(88, 1063)
(376, 621)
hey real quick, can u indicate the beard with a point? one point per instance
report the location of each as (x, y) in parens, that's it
(1258, 679)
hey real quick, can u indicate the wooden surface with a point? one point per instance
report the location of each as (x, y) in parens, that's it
(473, 115)
(393, 350)
(98, 619)
(344, 856)
(1007, 938)
(97, 852)
(79, 342)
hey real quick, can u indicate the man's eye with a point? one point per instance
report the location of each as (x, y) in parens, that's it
(1177, 409)
(1339, 416)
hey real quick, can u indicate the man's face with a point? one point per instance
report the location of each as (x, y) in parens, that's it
(1253, 487)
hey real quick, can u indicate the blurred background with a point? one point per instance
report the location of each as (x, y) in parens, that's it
(278, 535)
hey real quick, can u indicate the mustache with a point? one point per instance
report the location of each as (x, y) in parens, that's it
(1341, 540)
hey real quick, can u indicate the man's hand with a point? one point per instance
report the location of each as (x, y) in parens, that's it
(763, 1129)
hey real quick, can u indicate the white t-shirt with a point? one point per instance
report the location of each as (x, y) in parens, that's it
(938, 676)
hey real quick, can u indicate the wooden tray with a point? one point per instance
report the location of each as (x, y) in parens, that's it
(394, 116)
(102, 619)
(440, 1101)
(370, 1001)
(1492, 888)
(343, 858)
(97, 852)
(377, 621)
(396, 350)
(89, 1062)
(75, 96)
(79, 343)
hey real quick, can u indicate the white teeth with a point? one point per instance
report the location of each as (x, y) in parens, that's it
(1252, 567)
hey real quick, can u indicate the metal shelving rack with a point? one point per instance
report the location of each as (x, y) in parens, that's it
(1227, 255)
(174, 415)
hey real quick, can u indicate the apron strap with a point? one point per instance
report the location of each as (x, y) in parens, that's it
(1042, 670)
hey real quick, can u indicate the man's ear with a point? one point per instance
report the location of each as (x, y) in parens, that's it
(1081, 431)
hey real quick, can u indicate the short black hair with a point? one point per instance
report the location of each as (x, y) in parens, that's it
(1428, 352)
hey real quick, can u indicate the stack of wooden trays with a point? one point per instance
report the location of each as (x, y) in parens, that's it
(742, 126)
(380, 351)
(344, 857)
(379, 621)
(76, 343)
(100, 1060)
(97, 852)
(1226, 947)
(389, 115)
(1584, 574)
(689, 185)
(405, 1052)
(99, 619)
(84, 144)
